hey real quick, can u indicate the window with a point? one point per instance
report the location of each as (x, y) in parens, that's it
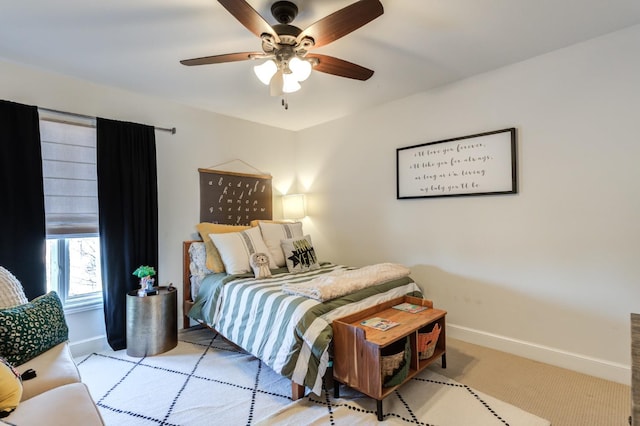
(71, 211)
(73, 270)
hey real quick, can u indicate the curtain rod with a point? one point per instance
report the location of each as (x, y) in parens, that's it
(171, 130)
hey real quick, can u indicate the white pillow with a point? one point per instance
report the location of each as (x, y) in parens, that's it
(274, 233)
(237, 247)
(11, 291)
(300, 254)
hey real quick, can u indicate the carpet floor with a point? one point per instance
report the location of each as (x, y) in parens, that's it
(206, 380)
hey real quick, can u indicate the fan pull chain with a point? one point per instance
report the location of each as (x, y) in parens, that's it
(285, 103)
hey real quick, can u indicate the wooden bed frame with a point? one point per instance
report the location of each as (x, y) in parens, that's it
(297, 391)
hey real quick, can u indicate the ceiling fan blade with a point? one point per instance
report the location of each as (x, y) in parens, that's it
(249, 17)
(218, 59)
(340, 67)
(342, 22)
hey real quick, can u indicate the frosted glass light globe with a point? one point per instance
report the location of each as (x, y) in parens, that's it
(265, 71)
(290, 84)
(300, 68)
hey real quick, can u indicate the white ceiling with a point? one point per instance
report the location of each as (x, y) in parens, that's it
(414, 46)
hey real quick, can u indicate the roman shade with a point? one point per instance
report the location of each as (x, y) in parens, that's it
(69, 177)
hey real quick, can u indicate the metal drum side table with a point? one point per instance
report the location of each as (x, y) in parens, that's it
(152, 323)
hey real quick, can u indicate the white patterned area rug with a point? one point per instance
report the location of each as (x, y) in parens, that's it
(207, 381)
(428, 399)
(203, 381)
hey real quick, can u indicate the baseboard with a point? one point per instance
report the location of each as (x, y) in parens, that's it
(88, 346)
(603, 369)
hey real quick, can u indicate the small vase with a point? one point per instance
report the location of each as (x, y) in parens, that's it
(145, 284)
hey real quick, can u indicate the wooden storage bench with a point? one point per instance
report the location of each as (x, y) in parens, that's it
(358, 349)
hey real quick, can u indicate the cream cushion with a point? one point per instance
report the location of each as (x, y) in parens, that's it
(274, 233)
(63, 406)
(237, 247)
(256, 222)
(11, 291)
(214, 261)
(53, 368)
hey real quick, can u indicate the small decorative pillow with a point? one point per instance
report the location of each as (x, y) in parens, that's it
(237, 247)
(260, 264)
(28, 330)
(11, 291)
(10, 388)
(274, 233)
(214, 262)
(300, 254)
(197, 266)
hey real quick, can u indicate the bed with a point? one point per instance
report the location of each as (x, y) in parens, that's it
(267, 317)
(290, 333)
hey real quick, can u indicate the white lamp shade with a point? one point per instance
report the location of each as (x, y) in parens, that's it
(265, 71)
(290, 84)
(293, 206)
(300, 68)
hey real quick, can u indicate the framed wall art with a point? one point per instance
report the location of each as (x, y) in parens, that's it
(481, 164)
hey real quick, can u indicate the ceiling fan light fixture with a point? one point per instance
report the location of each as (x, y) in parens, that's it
(285, 46)
(290, 83)
(301, 68)
(265, 71)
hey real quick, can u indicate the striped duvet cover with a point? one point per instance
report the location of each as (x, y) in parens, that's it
(291, 334)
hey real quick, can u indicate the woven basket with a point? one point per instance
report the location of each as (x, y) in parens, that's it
(390, 364)
(395, 362)
(427, 342)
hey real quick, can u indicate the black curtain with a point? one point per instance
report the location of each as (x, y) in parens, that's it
(22, 222)
(128, 211)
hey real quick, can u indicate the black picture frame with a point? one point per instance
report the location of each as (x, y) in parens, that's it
(479, 164)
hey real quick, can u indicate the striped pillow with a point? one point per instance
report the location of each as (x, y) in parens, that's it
(214, 262)
(274, 233)
(237, 247)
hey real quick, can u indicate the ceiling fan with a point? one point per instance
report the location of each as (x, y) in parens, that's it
(286, 47)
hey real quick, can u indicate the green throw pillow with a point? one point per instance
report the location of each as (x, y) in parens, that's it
(28, 330)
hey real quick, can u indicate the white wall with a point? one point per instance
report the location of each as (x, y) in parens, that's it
(550, 273)
(203, 139)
